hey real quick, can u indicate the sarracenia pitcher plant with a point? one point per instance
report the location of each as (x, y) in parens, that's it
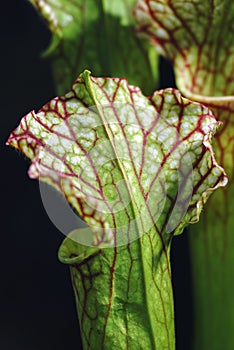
(136, 169)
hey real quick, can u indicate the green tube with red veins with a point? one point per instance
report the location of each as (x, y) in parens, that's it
(137, 170)
(198, 37)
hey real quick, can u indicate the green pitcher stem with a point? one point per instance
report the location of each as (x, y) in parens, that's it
(124, 295)
(212, 259)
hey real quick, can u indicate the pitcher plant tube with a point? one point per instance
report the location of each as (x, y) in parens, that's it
(137, 170)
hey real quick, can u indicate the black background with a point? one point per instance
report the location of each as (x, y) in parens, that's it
(37, 308)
